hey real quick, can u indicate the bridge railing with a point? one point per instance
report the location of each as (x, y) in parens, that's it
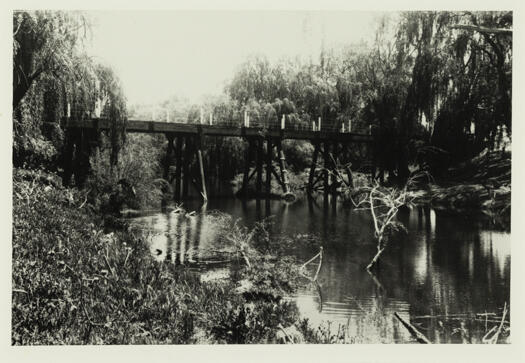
(287, 122)
(248, 118)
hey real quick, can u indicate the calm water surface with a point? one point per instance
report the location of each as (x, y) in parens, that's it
(445, 267)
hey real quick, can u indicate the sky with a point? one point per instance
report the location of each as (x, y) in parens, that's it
(160, 54)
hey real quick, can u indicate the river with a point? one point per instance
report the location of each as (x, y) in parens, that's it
(449, 267)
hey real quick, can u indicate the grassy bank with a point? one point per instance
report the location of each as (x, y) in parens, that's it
(75, 284)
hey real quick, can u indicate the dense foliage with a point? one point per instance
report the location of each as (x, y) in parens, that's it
(53, 78)
(75, 284)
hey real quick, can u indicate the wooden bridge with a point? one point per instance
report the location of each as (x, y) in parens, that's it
(185, 144)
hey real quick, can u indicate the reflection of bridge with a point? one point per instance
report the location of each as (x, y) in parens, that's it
(185, 143)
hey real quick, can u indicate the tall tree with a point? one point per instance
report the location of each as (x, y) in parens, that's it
(43, 43)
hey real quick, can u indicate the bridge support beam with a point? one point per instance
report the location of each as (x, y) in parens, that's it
(188, 150)
(258, 190)
(247, 161)
(178, 168)
(201, 167)
(334, 176)
(269, 152)
(310, 187)
(284, 172)
(77, 150)
(264, 158)
(326, 165)
(330, 174)
(169, 156)
(184, 172)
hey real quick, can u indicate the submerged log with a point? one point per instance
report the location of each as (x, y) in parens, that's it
(412, 330)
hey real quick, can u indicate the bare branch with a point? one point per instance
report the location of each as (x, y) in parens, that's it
(413, 331)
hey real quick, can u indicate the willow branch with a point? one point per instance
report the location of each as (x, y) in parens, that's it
(482, 29)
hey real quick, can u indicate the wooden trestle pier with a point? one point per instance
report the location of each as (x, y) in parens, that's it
(185, 144)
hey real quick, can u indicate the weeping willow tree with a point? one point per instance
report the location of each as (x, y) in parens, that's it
(54, 78)
(114, 101)
(442, 83)
(45, 63)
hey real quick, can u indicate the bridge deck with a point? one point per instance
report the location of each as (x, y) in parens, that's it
(218, 130)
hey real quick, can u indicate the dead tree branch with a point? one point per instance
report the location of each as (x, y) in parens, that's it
(412, 330)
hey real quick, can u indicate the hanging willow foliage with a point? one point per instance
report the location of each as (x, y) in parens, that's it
(114, 102)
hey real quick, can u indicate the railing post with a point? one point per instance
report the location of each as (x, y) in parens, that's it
(282, 122)
(313, 125)
(211, 118)
(349, 125)
(343, 127)
(319, 127)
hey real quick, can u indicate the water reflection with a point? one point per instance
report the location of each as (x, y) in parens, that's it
(179, 237)
(444, 266)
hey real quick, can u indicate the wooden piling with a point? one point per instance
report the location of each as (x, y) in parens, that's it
(269, 152)
(282, 166)
(326, 157)
(169, 153)
(259, 166)
(201, 166)
(178, 168)
(247, 160)
(313, 166)
(333, 178)
(186, 166)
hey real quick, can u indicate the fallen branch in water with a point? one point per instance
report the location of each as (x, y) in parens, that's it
(384, 221)
(301, 269)
(314, 279)
(412, 330)
(320, 263)
(241, 240)
(477, 317)
(494, 338)
(376, 281)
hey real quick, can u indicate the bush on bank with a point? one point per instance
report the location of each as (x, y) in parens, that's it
(75, 284)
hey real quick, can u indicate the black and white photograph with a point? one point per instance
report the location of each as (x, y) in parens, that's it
(260, 177)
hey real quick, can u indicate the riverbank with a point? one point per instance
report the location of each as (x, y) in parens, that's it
(481, 184)
(75, 284)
